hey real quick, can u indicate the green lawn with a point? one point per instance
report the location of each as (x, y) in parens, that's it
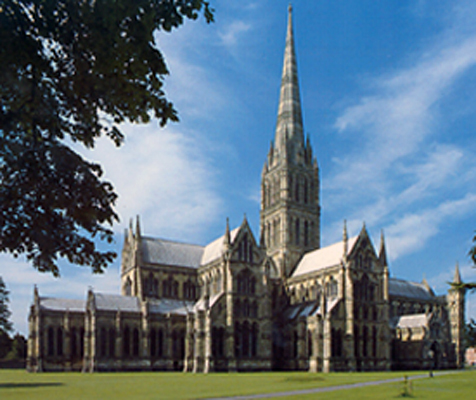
(18, 384)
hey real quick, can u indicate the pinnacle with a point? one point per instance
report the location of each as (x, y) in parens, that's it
(289, 127)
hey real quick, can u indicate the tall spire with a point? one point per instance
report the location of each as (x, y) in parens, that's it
(457, 276)
(289, 127)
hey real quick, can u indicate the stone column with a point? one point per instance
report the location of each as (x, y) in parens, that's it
(199, 353)
(169, 344)
(209, 364)
(67, 341)
(326, 362)
(189, 343)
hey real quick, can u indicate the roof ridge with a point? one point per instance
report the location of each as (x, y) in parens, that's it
(171, 241)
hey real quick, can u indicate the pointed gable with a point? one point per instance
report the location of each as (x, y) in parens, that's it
(214, 250)
(323, 258)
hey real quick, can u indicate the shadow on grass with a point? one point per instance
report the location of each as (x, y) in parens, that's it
(29, 385)
(305, 378)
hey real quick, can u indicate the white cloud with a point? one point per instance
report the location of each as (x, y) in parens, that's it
(164, 177)
(412, 231)
(401, 172)
(396, 119)
(20, 277)
(468, 274)
(231, 34)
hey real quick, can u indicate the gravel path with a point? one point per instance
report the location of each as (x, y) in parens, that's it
(318, 390)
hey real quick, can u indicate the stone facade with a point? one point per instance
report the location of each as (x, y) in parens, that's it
(241, 304)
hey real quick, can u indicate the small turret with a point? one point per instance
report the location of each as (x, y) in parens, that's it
(457, 276)
(456, 303)
(227, 237)
(382, 254)
(138, 230)
(345, 240)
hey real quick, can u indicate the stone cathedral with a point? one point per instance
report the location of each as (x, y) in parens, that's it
(243, 303)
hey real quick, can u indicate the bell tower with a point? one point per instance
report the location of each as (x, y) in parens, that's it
(290, 211)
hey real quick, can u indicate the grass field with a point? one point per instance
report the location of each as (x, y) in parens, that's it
(18, 384)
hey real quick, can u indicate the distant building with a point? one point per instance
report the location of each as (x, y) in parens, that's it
(242, 304)
(470, 356)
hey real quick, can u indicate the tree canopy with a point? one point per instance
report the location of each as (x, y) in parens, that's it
(70, 72)
(5, 324)
(470, 333)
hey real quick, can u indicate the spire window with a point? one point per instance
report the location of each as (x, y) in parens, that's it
(297, 230)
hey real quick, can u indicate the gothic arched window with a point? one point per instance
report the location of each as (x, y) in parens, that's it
(254, 340)
(128, 287)
(51, 341)
(246, 283)
(81, 342)
(59, 342)
(73, 342)
(102, 342)
(297, 230)
(112, 342)
(126, 342)
(331, 288)
(306, 233)
(135, 342)
(306, 192)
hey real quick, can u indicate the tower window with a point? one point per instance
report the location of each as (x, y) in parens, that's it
(306, 233)
(306, 192)
(297, 230)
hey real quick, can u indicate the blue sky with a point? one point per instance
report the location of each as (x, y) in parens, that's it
(389, 100)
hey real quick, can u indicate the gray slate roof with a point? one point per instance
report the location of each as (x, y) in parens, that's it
(410, 290)
(56, 304)
(170, 306)
(114, 302)
(309, 309)
(166, 252)
(412, 321)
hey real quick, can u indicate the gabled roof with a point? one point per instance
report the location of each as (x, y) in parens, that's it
(56, 304)
(214, 250)
(116, 302)
(166, 252)
(412, 321)
(203, 304)
(326, 257)
(411, 290)
(170, 306)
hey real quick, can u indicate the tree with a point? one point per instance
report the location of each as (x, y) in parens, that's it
(468, 286)
(5, 324)
(18, 349)
(470, 333)
(71, 71)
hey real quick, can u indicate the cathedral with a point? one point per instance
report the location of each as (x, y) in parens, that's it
(279, 301)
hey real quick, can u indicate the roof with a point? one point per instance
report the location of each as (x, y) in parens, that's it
(412, 321)
(411, 290)
(214, 250)
(166, 252)
(56, 304)
(170, 306)
(309, 309)
(116, 302)
(204, 304)
(323, 258)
